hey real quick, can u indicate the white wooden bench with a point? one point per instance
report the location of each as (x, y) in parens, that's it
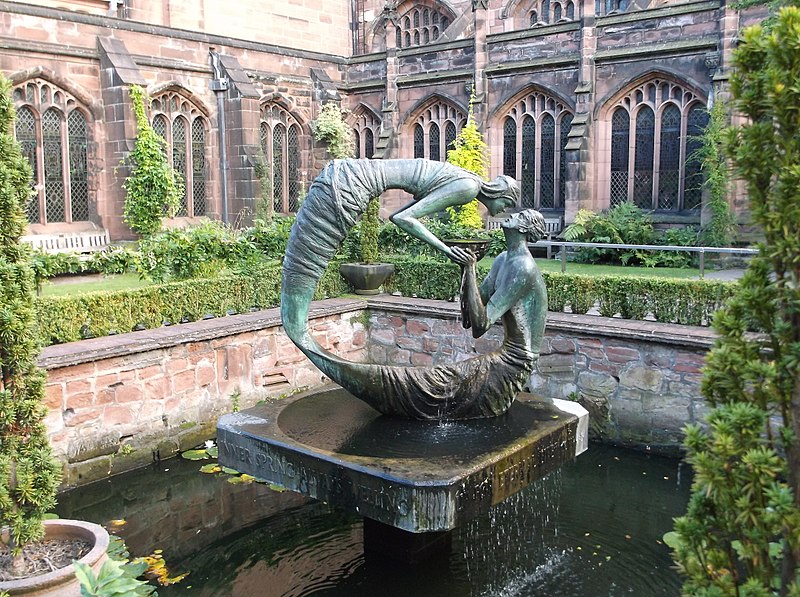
(552, 226)
(69, 242)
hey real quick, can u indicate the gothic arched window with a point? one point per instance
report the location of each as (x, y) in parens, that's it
(366, 128)
(654, 130)
(54, 134)
(280, 143)
(182, 125)
(534, 139)
(429, 142)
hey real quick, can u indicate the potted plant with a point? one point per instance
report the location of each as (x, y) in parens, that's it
(366, 275)
(29, 475)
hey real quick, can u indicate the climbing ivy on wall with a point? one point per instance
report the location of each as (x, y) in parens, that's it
(153, 188)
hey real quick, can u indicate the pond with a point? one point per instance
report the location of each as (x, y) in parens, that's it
(593, 528)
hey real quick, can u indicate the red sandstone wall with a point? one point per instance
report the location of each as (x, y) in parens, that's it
(167, 395)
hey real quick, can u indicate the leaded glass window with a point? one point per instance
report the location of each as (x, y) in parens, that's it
(669, 158)
(53, 166)
(54, 135)
(278, 167)
(534, 132)
(78, 170)
(557, 13)
(693, 183)
(643, 158)
(293, 166)
(281, 140)
(433, 141)
(545, 11)
(510, 147)
(435, 129)
(198, 166)
(182, 125)
(528, 162)
(449, 136)
(620, 147)
(570, 11)
(661, 174)
(419, 141)
(179, 160)
(25, 131)
(369, 143)
(548, 163)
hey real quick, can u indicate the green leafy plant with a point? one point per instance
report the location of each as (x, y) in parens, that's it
(331, 129)
(114, 579)
(720, 230)
(265, 209)
(470, 152)
(153, 188)
(741, 531)
(29, 475)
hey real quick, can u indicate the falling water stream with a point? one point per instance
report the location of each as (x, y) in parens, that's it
(591, 529)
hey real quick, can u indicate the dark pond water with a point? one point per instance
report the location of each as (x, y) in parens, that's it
(591, 529)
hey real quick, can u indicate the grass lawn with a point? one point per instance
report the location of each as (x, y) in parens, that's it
(554, 265)
(82, 284)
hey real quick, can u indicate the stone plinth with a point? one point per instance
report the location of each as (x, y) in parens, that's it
(413, 475)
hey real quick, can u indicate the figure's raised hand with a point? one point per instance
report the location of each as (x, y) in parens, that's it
(462, 256)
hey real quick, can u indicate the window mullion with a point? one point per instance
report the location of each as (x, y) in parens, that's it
(656, 159)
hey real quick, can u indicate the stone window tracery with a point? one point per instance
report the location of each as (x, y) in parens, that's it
(181, 124)
(280, 143)
(366, 130)
(543, 12)
(535, 133)
(420, 25)
(435, 129)
(53, 130)
(653, 135)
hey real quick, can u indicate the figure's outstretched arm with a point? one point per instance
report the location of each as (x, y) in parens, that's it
(458, 192)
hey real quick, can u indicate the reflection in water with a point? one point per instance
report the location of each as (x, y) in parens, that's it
(591, 529)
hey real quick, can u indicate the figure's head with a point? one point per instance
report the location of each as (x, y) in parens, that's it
(499, 194)
(528, 221)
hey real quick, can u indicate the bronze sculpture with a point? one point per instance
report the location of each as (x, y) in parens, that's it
(513, 292)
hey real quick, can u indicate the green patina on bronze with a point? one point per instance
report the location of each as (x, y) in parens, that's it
(513, 292)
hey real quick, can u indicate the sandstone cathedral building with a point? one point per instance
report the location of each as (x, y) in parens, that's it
(586, 103)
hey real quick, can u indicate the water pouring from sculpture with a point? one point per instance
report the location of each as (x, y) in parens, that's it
(513, 292)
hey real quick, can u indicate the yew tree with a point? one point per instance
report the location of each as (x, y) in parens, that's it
(29, 476)
(741, 532)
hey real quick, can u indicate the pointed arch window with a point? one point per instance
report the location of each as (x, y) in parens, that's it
(281, 137)
(420, 25)
(653, 135)
(534, 139)
(53, 132)
(366, 128)
(436, 118)
(183, 126)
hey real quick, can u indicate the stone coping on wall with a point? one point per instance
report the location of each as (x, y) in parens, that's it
(687, 336)
(84, 351)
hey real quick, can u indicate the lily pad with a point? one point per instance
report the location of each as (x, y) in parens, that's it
(195, 454)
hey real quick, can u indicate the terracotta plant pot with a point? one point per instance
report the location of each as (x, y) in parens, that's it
(366, 278)
(62, 582)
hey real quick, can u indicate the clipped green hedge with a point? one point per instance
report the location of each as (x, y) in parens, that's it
(688, 302)
(70, 318)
